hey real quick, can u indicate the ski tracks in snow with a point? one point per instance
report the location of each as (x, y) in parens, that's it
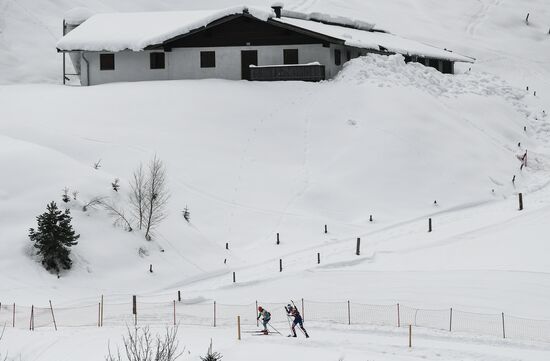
(481, 15)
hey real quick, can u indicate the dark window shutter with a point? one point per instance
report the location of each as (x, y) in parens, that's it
(106, 61)
(290, 56)
(337, 57)
(208, 59)
(157, 60)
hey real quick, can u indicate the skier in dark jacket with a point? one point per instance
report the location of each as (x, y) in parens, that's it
(292, 311)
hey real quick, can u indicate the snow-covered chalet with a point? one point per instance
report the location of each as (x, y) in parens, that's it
(235, 43)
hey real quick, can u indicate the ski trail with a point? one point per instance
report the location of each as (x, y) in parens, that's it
(481, 16)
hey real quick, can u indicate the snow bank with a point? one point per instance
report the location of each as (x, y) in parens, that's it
(376, 40)
(135, 31)
(392, 70)
(77, 16)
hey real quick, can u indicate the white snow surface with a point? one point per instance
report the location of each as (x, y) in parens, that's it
(329, 18)
(135, 31)
(384, 138)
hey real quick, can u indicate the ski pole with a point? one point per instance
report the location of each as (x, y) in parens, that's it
(274, 329)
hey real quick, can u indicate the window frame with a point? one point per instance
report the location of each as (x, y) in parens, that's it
(157, 60)
(103, 66)
(208, 59)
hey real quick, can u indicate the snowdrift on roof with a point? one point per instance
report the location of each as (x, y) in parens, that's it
(376, 40)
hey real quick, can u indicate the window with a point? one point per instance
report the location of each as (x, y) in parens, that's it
(434, 63)
(208, 59)
(290, 56)
(337, 57)
(447, 67)
(106, 61)
(157, 60)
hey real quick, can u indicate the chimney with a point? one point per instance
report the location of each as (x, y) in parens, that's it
(278, 8)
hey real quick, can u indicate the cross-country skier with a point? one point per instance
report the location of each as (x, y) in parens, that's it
(292, 311)
(266, 317)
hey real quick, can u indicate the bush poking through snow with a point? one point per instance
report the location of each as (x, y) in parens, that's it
(211, 356)
(115, 185)
(54, 238)
(65, 197)
(141, 345)
(187, 214)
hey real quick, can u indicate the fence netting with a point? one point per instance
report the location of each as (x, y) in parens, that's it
(213, 314)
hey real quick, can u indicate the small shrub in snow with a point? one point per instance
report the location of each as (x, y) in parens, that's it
(187, 214)
(141, 345)
(75, 194)
(54, 237)
(97, 164)
(211, 356)
(118, 214)
(96, 201)
(115, 185)
(65, 197)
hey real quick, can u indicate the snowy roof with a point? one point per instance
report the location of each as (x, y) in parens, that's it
(77, 16)
(375, 40)
(136, 31)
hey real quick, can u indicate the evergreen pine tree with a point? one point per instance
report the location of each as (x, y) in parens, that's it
(54, 237)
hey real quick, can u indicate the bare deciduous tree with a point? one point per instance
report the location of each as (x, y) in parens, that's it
(138, 186)
(118, 214)
(156, 196)
(96, 201)
(141, 345)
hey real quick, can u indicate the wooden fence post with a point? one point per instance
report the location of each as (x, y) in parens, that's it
(451, 320)
(429, 224)
(410, 335)
(318, 258)
(226, 245)
(358, 248)
(102, 308)
(520, 195)
(31, 321)
(13, 320)
(326, 229)
(234, 277)
(303, 313)
(503, 328)
(278, 241)
(349, 313)
(214, 313)
(179, 296)
(280, 265)
(134, 308)
(238, 327)
(53, 316)
(99, 314)
(174, 312)
(398, 316)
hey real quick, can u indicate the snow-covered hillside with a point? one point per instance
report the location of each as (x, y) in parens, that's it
(251, 160)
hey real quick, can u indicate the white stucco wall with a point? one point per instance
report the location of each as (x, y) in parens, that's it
(184, 63)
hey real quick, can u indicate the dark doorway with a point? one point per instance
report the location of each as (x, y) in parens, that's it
(248, 57)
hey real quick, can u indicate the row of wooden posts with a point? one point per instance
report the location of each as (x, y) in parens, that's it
(398, 322)
(303, 313)
(358, 244)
